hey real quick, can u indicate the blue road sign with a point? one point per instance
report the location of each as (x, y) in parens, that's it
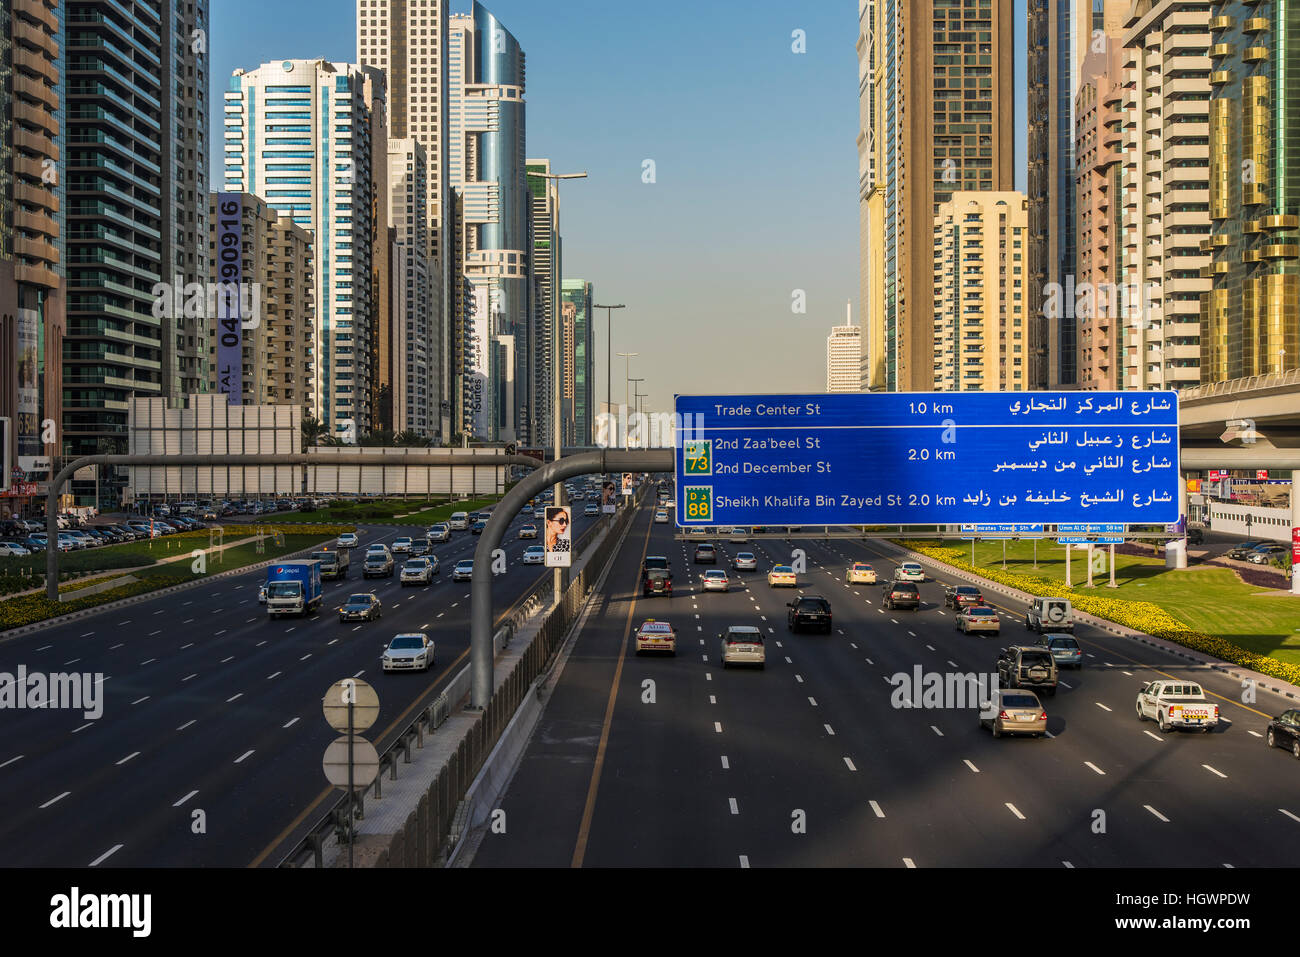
(928, 458)
(1020, 530)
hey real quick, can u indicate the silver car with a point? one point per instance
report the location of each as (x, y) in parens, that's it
(464, 570)
(742, 645)
(416, 571)
(409, 652)
(438, 533)
(1017, 712)
(745, 562)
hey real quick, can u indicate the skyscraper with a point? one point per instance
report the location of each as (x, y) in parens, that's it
(844, 359)
(306, 135)
(1250, 318)
(943, 122)
(578, 294)
(1060, 35)
(408, 40)
(486, 147)
(136, 213)
(544, 305)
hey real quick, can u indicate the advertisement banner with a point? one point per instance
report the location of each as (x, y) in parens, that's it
(27, 423)
(559, 536)
(230, 272)
(627, 483)
(476, 379)
(607, 504)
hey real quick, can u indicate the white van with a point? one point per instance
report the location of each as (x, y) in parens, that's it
(459, 521)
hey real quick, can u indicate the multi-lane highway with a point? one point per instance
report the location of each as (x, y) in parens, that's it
(676, 762)
(209, 747)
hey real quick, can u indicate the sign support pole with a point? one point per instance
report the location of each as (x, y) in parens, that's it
(1090, 584)
(1067, 567)
(351, 790)
(1112, 567)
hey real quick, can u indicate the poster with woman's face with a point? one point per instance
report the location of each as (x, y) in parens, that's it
(627, 483)
(607, 503)
(559, 538)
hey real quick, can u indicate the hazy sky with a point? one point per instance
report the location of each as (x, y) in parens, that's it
(755, 162)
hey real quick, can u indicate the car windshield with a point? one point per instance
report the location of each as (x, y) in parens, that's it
(745, 557)
(376, 558)
(814, 604)
(1063, 643)
(414, 566)
(284, 589)
(905, 588)
(359, 600)
(979, 612)
(861, 567)
(783, 570)
(715, 574)
(744, 637)
(465, 563)
(1035, 658)
(406, 642)
(656, 561)
(1019, 701)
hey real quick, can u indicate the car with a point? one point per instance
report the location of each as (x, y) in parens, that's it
(534, 555)
(1195, 536)
(419, 549)
(909, 572)
(363, 606)
(1284, 732)
(1176, 704)
(1018, 712)
(902, 595)
(745, 562)
(401, 546)
(742, 645)
(1242, 549)
(416, 571)
(1027, 666)
(809, 611)
(479, 517)
(738, 535)
(591, 508)
(657, 636)
(1050, 614)
(670, 504)
(960, 596)
(261, 594)
(377, 565)
(464, 570)
(13, 550)
(661, 516)
(860, 573)
(477, 527)
(441, 532)
(782, 575)
(715, 579)
(1266, 554)
(539, 513)
(970, 618)
(410, 651)
(527, 531)
(656, 576)
(1064, 649)
(705, 554)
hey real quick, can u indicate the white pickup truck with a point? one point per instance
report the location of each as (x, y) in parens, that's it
(1176, 704)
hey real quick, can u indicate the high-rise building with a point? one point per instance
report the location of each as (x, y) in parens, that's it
(944, 123)
(1060, 35)
(578, 294)
(981, 339)
(277, 270)
(544, 306)
(844, 359)
(1165, 174)
(871, 209)
(408, 40)
(417, 345)
(309, 136)
(486, 153)
(136, 212)
(1250, 318)
(31, 228)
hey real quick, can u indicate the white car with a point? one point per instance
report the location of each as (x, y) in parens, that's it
(409, 652)
(742, 645)
(347, 540)
(715, 579)
(745, 562)
(11, 550)
(416, 571)
(671, 503)
(539, 513)
(656, 636)
(1176, 704)
(661, 517)
(782, 575)
(860, 573)
(401, 546)
(527, 531)
(534, 555)
(738, 535)
(438, 533)
(909, 572)
(591, 508)
(464, 570)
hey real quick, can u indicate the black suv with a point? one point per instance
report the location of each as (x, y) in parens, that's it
(705, 554)
(902, 595)
(656, 577)
(962, 595)
(1023, 666)
(810, 611)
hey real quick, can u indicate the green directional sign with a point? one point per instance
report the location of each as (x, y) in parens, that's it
(697, 457)
(699, 505)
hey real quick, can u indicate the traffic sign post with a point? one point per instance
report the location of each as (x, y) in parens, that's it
(928, 458)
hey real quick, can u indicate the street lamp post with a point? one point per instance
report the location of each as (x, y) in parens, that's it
(627, 391)
(636, 394)
(557, 344)
(609, 345)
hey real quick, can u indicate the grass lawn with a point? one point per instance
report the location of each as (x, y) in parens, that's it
(387, 512)
(1211, 600)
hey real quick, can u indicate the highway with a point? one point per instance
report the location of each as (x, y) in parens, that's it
(807, 763)
(209, 706)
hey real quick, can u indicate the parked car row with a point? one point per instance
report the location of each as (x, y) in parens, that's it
(93, 536)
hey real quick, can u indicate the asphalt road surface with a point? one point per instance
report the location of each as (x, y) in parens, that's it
(808, 763)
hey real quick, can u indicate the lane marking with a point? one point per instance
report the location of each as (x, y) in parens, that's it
(242, 756)
(133, 754)
(66, 793)
(1015, 810)
(103, 857)
(1214, 771)
(187, 724)
(936, 731)
(829, 730)
(1156, 813)
(186, 798)
(291, 723)
(1089, 764)
(734, 808)
(966, 761)
(850, 764)
(876, 809)
(725, 764)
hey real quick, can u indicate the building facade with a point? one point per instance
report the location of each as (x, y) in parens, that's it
(944, 123)
(1250, 317)
(578, 295)
(277, 268)
(309, 136)
(537, 426)
(844, 359)
(981, 300)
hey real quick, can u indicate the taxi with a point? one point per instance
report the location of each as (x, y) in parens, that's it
(656, 636)
(782, 575)
(860, 573)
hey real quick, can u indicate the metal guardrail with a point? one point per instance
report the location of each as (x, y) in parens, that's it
(443, 802)
(1213, 390)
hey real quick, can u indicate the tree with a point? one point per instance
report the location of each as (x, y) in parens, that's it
(312, 431)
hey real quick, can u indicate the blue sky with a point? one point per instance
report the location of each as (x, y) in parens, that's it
(755, 159)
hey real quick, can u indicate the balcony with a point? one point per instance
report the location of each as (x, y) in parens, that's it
(1255, 54)
(1220, 77)
(1255, 25)
(1220, 50)
(38, 11)
(1274, 223)
(1221, 23)
(1280, 251)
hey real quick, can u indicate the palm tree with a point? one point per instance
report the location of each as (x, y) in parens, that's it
(312, 431)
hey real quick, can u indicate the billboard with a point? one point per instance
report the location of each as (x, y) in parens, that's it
(559, 536)
(230, 272)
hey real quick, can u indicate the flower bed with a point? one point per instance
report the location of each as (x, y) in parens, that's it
(1141, 616)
